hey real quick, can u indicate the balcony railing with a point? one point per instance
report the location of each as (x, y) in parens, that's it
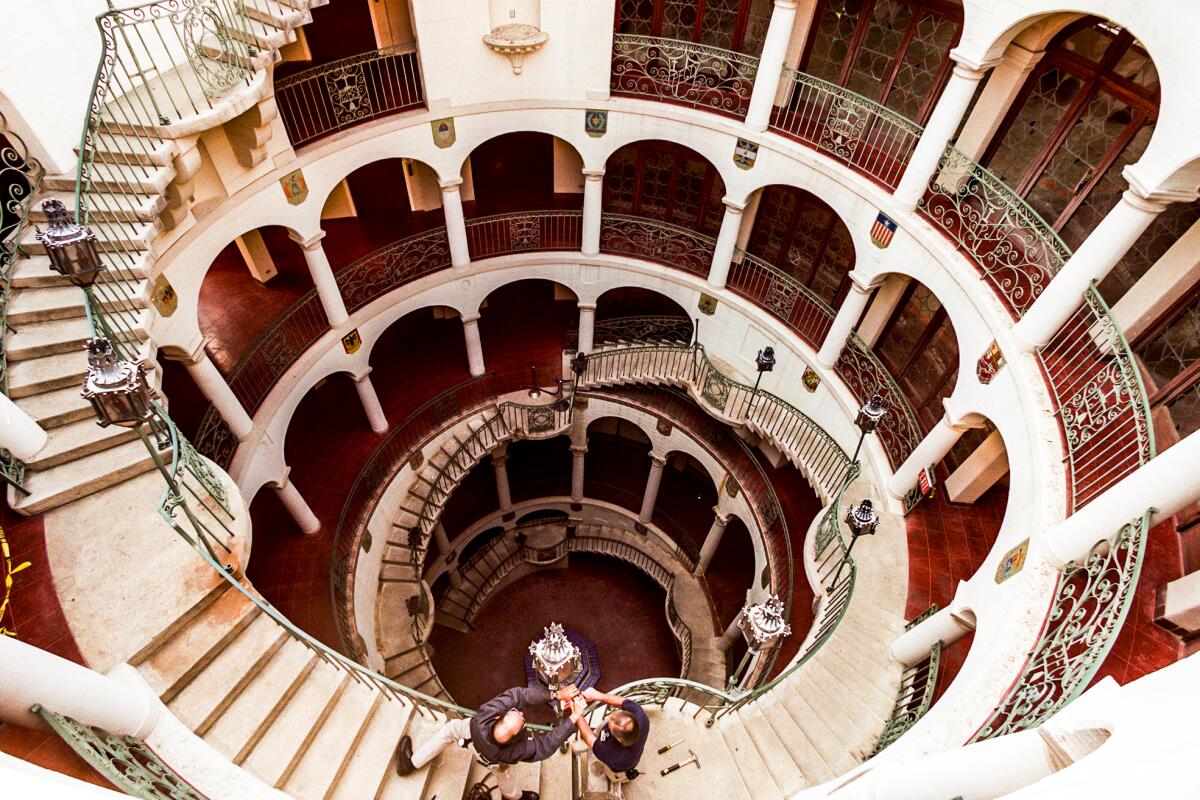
(687, 73)
(917, 687)
(661, 242)
(523, 232)
(848, 127)
(772, 289)
(331, 97)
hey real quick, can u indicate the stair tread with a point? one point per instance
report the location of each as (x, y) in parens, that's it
(818, 729)
(110, 236)
(749, 763)
(58, 302)
(33, 270)
(445, 776)
(371, 762)
(273, 756)
(104, 205)
(813, 768)
(782, 766)
(120, 148)
(152, 178)
(47, 338)
(56, 407)
(335, 742)
(56, 486)
(77, 439)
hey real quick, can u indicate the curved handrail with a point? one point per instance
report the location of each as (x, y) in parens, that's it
(679, 71)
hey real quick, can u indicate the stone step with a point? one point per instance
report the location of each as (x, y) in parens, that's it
(873, 684)
(754, 772)
(277, 15)
(813, 769)
(38, 339)
(117, 178)
(119, 239)
(206, 696)
(57, 486)
(278, 751)
(554, 778)
(57, 407)
(812, 720)
(48, 374)
(445, 776)
(33, 270)
(66, 302)
(783, 767)
(324, 758)
(857, 726)
(106, 206)
(116, 148)
(78, 439)
(372, 759)
(263, 38)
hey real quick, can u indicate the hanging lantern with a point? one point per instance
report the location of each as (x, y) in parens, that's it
(871, 414)
(117, 390)
(555, 659)
(765, 360)
(762, 623)
(71, 247)
(862, 519)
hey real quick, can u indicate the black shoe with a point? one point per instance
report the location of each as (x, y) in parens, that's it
(404, 765)
(528, 795)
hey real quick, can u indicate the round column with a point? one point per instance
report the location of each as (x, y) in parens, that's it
(593, 195)
(578, 456)
(474, 346)
(297, 507)
(732, 634)
(770, 64)
(932, 449)
(847, 317)
(443, 540)
(214, 388)
(726, 242)
(19, 433)
(456, 223)
(711, 542)
(370, 403)
(913, 645)
(947, 114)
(650, 496)
(587, 327)
(503, 491)
(322, 275)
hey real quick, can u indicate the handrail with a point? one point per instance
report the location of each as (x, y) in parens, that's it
(783, 295)
(683, 72)
(330, 97)
(522, 232)
(917, 687)
(20, 181)
(658, 241)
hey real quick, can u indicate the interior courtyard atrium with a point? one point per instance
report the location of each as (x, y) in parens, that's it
(804, 391)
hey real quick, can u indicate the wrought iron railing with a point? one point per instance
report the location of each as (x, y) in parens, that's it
(865, 135)
(774, 290)
(643, 328)
(523, 232)
(687, 73)
(1016, 250)
(864, 374)
(390, 267)
(653, 240)
(1089, 605)
(277, 348)
(1099, 399)
(917, 686)
(125, 761)
(20, 180)
(331, 97)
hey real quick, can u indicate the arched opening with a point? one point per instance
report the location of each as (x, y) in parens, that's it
(523, 171)
(666, 182)
(539, 468)
(523, 326)
(686, 501)
(739, 25)
(633, 313)
(400, 368)
(617, 463)
(729, 577)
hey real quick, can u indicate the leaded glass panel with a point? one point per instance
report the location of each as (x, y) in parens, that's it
(832, 43)
(911, 320)
(637, 17)
(807, 239)
(720, 22)
(1184, 410)
(881, 43)
(1173, 350)
(917, 76)
(836, 261)
(678, 19)
(716, 205)
(620, 179)
(1166, 229)
(656, 184)
(771, 231)
(688, 197)
(1043, 109)
(757, 22)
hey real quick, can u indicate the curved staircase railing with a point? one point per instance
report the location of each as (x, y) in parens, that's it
(682, 72)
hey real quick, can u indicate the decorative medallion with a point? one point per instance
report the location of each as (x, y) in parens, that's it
(541, 420)
(663, 427)
(346, 88)
(416, 460)
(163, 297)
(1012, 563)
(781, 297)
(732, 488)
(524, 233)
(883, 230)
(745, 153)
(990, 363)
(811, 379)
(595, 123)
(295, 189)
(443, 131)
(351, 342)
(707, 304)
(715, 390)
(365, 541)
(844, 125)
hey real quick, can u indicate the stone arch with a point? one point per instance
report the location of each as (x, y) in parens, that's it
(667, 182)
(547, 168)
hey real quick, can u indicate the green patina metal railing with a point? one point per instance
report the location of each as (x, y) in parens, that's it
(641, 328)
(20, 180)
(126, 762)
(687, 73)
(1091, 600)
(917, 687)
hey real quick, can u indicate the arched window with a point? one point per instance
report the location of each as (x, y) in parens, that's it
(920, 350)
(1086, 112)
(739, 25)
(665, 182)
(895, 52)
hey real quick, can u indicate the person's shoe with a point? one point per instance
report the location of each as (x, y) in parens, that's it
(404, 765)
(528, 795)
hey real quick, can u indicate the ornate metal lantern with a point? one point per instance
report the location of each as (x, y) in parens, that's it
(555, 659)
(579, 365)
(71, 247)
(117, 390)
(862, 519)
(765, 360)
(762, 624)
(871, 414)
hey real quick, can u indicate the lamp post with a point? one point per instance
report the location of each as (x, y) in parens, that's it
(763, 362)
(862, 520)
(869, 417)
(70, 246)
(117, 390)
(763, 626)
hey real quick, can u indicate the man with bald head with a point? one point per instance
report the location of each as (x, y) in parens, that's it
(499, 736)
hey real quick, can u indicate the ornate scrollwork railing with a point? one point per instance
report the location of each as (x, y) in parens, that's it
(1016, 250)
(126, 762)
(687, 73)
(783, 295)
(330, 97)
(1090, 603)
(523, 232)
(917, 687)
(661, 242)
(867, 136)
(865, 374)
(390, 267)
(1099, 399)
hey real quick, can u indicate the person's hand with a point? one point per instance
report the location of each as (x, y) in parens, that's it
(578, 707)
(591, 694)
(567, 693)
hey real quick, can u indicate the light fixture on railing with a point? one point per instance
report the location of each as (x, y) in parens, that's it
(862, 520)
(70, 246)
(869, 417)
(763, 362)
(556, 660)
(117, 390)
(763, 626)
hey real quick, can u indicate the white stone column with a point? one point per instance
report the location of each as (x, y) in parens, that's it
(456, 223)
(474, 346)
(732, 634)
(941, 126)
(19, 433)
(770, 64)
(1106, 245)
(1002, 89)
(214, 388)
(932, 449)
(987, 464)
(322, 275)
(1168, 483)
(711, 542)
(883, 305)
(370, 402)
(32, 676)
(650, 496)
(578, 456)
(503, 490)
(442, 539)
(914, 644)
(587, 327)
(726, 242)
(297, 506)
(593, 210)
(847, 316)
